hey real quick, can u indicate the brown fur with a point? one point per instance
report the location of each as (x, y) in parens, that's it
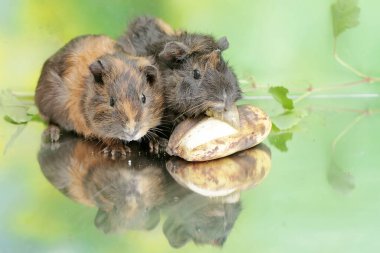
(163, 26)
(93, 88)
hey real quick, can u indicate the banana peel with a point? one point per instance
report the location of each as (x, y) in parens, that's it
(207, 138)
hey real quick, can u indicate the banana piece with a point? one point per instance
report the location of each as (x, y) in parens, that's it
(208, 138)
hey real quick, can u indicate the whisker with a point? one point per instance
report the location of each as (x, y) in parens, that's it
(191, 109)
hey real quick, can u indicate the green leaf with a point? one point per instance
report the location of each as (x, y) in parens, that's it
(288, 119)
(345, 15)
(17, 115)
(279, 140)
(8, 99)
(340, 179)
(32, 110)
(15, 111)
(279, 93)
(17, 120)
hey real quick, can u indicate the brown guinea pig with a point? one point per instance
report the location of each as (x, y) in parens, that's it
(92, 87)
(195, 76)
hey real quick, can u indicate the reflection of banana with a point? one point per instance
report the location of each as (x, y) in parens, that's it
(209, 138)
(225, 175)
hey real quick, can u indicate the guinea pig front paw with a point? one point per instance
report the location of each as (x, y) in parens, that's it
(116, 151)
(52, 133)
(158, 145)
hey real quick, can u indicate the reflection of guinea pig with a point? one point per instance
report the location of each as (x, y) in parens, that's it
(131, 193)
(201, 219)
(195, 76)
(92, 87)
(127, 197)
(127, 192)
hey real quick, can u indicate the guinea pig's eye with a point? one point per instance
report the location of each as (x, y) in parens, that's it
(196, 74)
(112, 101)
(143, 98)
(180, 61)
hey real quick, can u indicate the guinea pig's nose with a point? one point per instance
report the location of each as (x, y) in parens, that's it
(130, 132)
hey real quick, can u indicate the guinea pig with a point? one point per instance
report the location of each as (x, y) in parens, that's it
(195, 76)
(91, 87)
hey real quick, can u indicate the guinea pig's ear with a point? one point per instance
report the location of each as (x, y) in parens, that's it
(151, 73)
(174, 51)
(175, 233)
(97, 69)
(214, 58)
(223, 43)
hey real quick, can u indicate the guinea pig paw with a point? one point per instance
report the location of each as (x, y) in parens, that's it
(54, 146)
(158, 145)
(52, 133)
(116, 152)
(153, 147)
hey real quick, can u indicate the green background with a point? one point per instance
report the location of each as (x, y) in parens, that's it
(313, 200)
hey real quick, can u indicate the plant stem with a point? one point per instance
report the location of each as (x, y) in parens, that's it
(303, 96)
(345, 64)
(365, 78)
(329, 88)
(349, 126)
(339, 109)
(343, 85)
(24, 95)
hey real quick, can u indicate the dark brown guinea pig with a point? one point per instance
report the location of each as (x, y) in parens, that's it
(92, 87)
(195, 76)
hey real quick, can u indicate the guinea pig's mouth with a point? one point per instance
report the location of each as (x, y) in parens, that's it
(134, 136)
(229, 115)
